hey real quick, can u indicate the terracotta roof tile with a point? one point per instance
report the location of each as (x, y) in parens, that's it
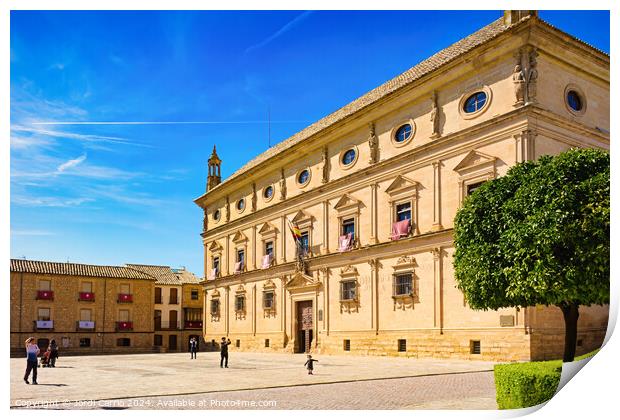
(162, 273)
(73, 269)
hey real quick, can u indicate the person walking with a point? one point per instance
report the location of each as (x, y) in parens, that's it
(193, 347)
(310, 364)
(32, 351)
(224, 352)
(53, 348)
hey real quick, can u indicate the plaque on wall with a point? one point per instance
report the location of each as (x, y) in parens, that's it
(507, 320)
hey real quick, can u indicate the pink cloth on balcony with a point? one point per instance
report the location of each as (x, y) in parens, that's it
(267, 261)
(344, 242)
(213, 274)
(400, 229)
(238, 267)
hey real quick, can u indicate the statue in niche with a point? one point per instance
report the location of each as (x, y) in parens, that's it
(253, 196)
(518, 78)
(532, 76)
(227, 209)
(282, 185)
(373, 144)
(325, 178)
(205, 222)
(435, 115)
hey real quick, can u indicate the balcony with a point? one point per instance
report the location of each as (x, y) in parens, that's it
(87, 296)
(193, 325)
(124, 298)
(167, 325)
(124, 326)
(85, 326)
(43, 325)
(45, 295)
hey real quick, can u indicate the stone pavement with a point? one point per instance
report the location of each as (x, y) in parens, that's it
(339, 382)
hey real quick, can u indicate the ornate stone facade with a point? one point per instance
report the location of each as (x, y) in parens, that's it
(388, 288)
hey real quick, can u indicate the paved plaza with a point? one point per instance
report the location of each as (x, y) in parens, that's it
(255, 381)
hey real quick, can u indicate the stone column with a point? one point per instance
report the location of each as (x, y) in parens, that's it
(283, 304)
(254, 247)
(524, 145)
(227, 309)
(325, 246)
(374, 294)
(438, 288)
(373, 214)
(283, 233)
(325, 272)
(437, 196)
(254, 309)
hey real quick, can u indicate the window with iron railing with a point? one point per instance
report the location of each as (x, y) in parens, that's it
(268, 302)
(215, 307)
(348, 290)
(240, 303)
(403, 284)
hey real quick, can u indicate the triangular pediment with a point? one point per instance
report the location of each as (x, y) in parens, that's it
(215, 247)
(267, 228)
(301, 216)
(474, 159)
(401, 184)
(346, 202)
(239, 237)
(300, 280)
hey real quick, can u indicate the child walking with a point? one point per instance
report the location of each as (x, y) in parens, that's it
(310, 364)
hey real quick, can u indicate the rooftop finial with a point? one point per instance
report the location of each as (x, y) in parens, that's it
(214, 176)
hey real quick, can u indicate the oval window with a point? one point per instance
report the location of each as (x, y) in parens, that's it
(303, 176)
(403, 133)
(574, 100)
(240, 204)
(475, 102)
(268, 192)
(216, 215)
(348, 157)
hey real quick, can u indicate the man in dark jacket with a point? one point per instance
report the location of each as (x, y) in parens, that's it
(193, 347)
(224, 352)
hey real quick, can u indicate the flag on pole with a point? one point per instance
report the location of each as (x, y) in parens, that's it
(295, 231)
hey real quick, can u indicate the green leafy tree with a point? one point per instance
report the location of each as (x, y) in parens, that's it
(538, 236)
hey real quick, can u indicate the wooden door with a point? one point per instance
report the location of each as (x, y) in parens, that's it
(305, 326)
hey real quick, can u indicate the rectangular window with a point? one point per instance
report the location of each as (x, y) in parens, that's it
(239, 303)
(125, 289)
(403, 211)
(267, 300)
(173, 296)
(194, 294)
(403, 284)
(216, 264)
(215, 306)
(123, 342)
(123, 315)
(347, 290)
(45, 285)
(473, 187)
(193, 314)
(305, 241)
(85, 314)
(348, 226)
(269, 248)
(84, 342)
(346, 345)
(43, 314)
(87, 287)
(238, 343)
(158, 340)
(402, 345)
(158, 295)
(240, 256)
(474, 346)
(266, 342)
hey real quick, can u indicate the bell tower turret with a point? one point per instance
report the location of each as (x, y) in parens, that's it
(215, 176)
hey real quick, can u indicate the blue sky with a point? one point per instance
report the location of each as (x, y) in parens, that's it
(123, 193)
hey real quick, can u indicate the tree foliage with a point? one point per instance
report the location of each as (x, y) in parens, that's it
(538, 235)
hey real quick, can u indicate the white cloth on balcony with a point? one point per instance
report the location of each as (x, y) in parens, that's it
(87, 324)
(45, 324)
(238, 267)
(344, 242)
(400, 229)
(267, 259)
(213, 274)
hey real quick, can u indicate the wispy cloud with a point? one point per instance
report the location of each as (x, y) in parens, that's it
(28, 201)
(164, 122)
(31, 233)
(74, 136)
(70, 163)
(290, 25)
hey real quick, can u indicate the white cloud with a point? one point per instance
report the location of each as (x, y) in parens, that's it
(31, 233)
(280, 31)
(71, 163)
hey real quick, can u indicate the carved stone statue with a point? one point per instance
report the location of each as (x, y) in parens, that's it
(227, 209)
(518, 78)
(325, 178)
(435, 115)
(282, 185)
(373, 144)
(205, 222)
(532, 76)
(253, 196)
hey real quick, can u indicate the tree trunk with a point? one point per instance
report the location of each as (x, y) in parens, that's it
(571, 315)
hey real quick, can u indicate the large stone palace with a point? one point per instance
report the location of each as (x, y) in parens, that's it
(372, 190)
